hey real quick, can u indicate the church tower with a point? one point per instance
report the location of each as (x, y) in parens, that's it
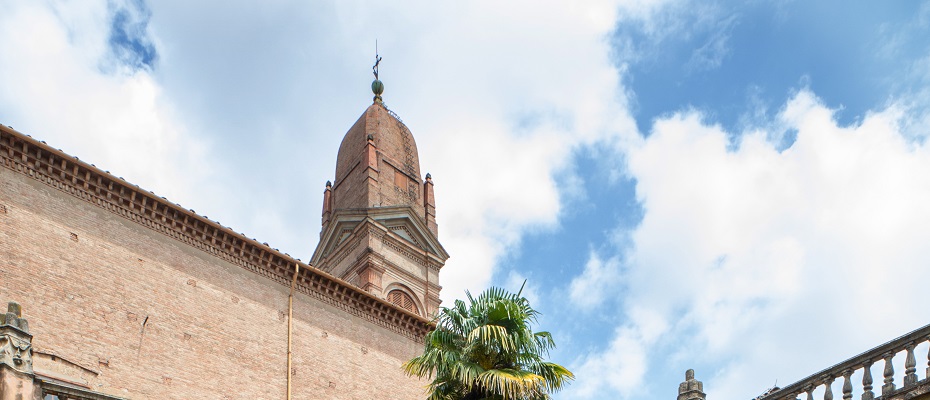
(379, 216)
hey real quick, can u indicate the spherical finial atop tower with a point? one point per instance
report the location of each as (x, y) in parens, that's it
(377, 87)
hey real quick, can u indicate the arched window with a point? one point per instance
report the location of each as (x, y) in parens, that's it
(402, 300)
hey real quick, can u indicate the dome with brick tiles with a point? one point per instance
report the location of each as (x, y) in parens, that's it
(391, 156)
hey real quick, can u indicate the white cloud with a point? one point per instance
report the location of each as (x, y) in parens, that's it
(53, 89)
(645, 27)
(751, 250)
(598, 281)
(622, 367)
(715, 49)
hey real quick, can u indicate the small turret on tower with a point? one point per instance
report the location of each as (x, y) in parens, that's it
(327, 203)
(429, 204)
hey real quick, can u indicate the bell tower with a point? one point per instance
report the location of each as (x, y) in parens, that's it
(379, 216)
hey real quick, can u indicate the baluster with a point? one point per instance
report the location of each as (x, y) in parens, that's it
(928, 362)
(867, 393)
(847, 385)
(828, 388)
(910, 367)
(888, 387)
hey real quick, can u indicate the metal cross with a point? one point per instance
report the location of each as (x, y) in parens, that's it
(377, 61)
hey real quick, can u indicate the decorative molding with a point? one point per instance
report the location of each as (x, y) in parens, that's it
(343, 235)
(16, 349)
(51, 356)
(346, 250)
(403, 232)
(24, 155)
(411, 193)
(404, 276)
(380, 219)
(394, 164)
(65, 391)
(374, 230)
(395, 245)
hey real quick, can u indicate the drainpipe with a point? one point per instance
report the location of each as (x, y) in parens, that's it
(290, 317)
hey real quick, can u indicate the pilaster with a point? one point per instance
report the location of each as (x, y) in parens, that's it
(370, 277)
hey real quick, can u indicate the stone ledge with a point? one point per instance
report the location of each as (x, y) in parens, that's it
(50, 386)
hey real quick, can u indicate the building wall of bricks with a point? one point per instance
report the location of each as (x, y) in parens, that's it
(150, 317)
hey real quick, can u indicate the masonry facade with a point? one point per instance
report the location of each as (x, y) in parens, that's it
(128, 295)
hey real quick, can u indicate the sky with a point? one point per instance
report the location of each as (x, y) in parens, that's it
(738, 187)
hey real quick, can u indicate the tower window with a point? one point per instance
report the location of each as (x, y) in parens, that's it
(402, 300)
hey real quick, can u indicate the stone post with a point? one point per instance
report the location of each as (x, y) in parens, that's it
(16, 376)
(327, 205)
(429, 205)
(691, 389)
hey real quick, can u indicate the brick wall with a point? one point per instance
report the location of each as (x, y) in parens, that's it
(157, 318)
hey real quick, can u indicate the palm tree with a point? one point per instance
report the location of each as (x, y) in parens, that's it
(486, 349)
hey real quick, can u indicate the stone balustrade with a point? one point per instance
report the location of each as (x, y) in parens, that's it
(907, 387)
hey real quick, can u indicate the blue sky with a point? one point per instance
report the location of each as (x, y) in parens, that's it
(741, 54)
(735, 187)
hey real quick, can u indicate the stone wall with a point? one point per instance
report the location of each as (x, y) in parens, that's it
(152, 317)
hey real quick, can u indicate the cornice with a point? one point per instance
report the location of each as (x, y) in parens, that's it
(405, 249)
(66, 391)
(354, 217)
(25, 155)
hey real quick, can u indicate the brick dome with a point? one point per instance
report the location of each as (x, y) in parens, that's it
(395, 161)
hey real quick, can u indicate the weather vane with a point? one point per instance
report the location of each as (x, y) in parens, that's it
(377, 61)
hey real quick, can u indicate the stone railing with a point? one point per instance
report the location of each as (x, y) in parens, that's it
(910, 387)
